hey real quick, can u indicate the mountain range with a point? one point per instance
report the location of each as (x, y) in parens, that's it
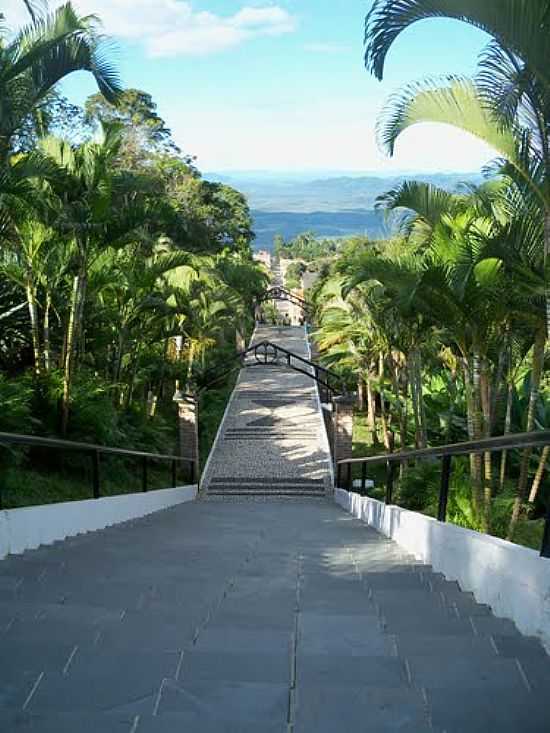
(330, 205)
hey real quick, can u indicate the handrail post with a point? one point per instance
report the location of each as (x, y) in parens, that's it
(545, 549)
(390, 471)
(95, 474)
(174, 473)
(144, 474)
(363, 479)
(444, 488)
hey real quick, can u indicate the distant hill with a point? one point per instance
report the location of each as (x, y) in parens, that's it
(331, 206)
(324, 223)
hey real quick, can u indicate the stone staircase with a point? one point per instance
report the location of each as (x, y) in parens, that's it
(240, 617)
(272, 440)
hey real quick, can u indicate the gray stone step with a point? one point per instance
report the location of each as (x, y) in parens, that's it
(491, 625)
(123, 682)
(465, 672)
(239, 702)
(183, 722)
(269, 480)
(339, 670)
(66, 722)
(520, 647)
(480, 710)
(260, 490)
(445, 647)
(356, 708)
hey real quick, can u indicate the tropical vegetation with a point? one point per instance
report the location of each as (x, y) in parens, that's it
(123, 273)
(445, 328)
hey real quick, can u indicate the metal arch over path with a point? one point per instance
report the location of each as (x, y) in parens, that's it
(281, 294)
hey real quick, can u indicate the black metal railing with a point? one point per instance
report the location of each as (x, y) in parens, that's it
(266, 353)
(445, 452)
(282, 294)
(95, 452)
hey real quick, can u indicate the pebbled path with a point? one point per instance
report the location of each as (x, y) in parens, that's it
(254, 616)
(272, 440)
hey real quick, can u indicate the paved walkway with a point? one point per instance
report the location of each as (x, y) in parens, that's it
(272, 439)
(254, 616)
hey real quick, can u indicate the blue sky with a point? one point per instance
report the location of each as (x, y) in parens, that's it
(281, 85)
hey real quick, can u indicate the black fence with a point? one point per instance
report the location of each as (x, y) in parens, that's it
(445, 452)
(95, 452)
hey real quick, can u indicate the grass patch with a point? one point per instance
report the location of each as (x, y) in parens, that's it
(30, 486)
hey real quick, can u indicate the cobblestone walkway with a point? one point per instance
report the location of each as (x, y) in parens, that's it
(254, 616)
(272, 439)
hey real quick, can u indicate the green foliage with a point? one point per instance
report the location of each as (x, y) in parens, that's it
(123, 273)
(305, 247)
(16, 396)
(293, 275)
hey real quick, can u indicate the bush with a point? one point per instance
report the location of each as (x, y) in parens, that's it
(418, 488)
(16, 396)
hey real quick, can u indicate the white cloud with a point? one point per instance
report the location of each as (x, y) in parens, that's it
(173, 28)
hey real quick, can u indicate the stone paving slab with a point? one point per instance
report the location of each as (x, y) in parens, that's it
(273, 612)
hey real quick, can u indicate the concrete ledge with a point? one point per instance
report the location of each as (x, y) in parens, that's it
(513, 580)
(29, 527)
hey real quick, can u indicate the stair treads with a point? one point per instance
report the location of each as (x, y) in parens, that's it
(267, 480)
(251, 489)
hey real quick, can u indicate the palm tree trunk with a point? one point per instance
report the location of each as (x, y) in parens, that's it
(360, 394)
(190, 360)
(536, 375)
(35, 330)
(507, 428)
(421, 405)
(539, 474)
(394, 375)
(135, 361)
(414, 397)
(546, 256)
(485, 398)
(371, 407)
(472, 378)
(46, 331)
(73, 328)
(383, 418)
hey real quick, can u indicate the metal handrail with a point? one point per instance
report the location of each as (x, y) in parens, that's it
(267, 353)
(95, 451)
(279, 293)
(446, 453)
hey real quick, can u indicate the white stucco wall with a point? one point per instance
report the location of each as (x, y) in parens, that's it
(513, 580)
(29, 527)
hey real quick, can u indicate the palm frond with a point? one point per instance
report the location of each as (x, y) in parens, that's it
(519, 25)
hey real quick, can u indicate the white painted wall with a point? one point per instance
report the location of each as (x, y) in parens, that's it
(29, 527)
(513, 580)
(325, 442)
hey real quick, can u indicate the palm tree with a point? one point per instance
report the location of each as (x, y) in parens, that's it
(518, 27)
(40, 55)
(509, 105)
(99, 209)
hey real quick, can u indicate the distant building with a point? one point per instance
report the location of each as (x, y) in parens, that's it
(263, 256)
